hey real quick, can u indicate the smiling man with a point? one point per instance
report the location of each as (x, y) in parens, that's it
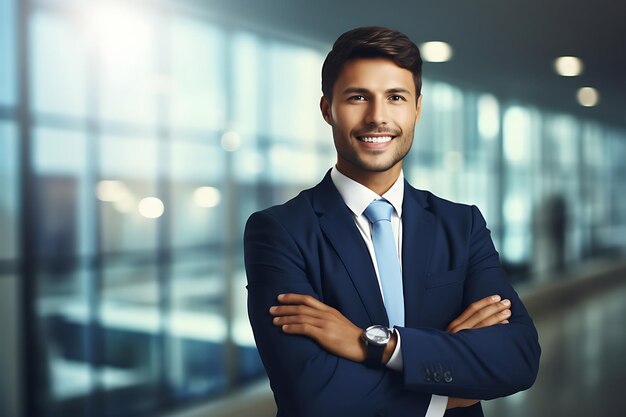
(368, 297)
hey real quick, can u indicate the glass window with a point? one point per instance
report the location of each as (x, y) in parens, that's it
(521, 157)
(9, 183)
(131, 345)
(59, 73)
(8, 53)
(198, 98)
(488, 117)
(198, 197)
(126, 41)
(198, 328)
(127, 193)
(290, 164)
(293, 99)
(63, 335)
(60, 163)
(63, 230)
(10, 349)
(247, 83)
(517, 132)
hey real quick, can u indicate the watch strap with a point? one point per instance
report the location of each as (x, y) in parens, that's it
(374, 356)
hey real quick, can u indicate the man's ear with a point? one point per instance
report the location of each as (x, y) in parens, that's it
(325, 108)
(418, 110)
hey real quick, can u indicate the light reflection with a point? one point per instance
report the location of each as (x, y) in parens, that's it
(110, 191)
(151, 207)
(125, 205)
(517, 135)
(588, 97)
(568, 66)
(117, 193)
(436, 51)
(207, 197)
(515, 209)
(122, 33)
(488, 117)
(231, 141)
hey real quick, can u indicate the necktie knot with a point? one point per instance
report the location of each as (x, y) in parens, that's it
(378, 210)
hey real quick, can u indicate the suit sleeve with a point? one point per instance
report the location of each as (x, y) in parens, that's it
(481, 363)
(307, 380)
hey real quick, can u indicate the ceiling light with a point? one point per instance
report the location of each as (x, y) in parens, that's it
(588, 96)
(207, 196)
(231, 141)
(568, 66)
(436, 51)
(151, 207)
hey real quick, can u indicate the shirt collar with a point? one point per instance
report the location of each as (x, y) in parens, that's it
(357, 196)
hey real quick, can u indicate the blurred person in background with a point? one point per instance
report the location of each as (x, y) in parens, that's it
(367, 296)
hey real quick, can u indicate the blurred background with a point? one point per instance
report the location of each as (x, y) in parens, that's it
(136, 137)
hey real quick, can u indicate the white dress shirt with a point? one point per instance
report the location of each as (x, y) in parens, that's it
(357, 197)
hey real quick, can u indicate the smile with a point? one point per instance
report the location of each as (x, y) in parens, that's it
(375, 139)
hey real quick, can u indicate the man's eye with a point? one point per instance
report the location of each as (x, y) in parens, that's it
(396, 98)
(357, 98)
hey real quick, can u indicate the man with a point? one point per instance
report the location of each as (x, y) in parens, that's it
(332, 269)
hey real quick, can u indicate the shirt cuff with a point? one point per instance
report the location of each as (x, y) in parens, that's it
(437, 406)
(395, 362)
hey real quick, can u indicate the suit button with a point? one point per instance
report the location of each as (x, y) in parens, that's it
(437, 376)
(447, 376)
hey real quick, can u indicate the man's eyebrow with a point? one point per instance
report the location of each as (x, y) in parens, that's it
(356, 90)
(398, 90)
(360, 90)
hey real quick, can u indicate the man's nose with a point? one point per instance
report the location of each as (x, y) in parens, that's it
(376, 113)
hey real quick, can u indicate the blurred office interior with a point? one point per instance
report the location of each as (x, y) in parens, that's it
(137, 137)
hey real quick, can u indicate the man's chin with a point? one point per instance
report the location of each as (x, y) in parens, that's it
(379, 167)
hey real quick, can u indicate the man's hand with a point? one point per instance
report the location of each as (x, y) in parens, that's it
(459, 402)
(307, 316)
(482, 313)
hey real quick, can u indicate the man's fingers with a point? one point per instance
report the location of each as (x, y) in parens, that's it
(300, 319)
(293, 310)
(487, 316)
(473, 309)
(305, 299)
(304, 329)
(491, 314)
(494, 319)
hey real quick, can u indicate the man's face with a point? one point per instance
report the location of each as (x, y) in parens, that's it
(373, 115)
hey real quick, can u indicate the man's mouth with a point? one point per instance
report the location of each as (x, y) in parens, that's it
(375, 139)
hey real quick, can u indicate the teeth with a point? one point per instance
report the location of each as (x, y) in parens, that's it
(376, 139)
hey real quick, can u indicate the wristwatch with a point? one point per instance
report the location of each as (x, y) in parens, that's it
(376, 338)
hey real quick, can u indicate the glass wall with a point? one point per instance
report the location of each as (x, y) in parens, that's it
(151, 136)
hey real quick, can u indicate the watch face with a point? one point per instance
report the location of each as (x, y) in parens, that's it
(378, 335)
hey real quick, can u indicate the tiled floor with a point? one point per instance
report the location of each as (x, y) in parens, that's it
(583, 364)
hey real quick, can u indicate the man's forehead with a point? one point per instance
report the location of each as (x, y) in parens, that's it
(378, 73)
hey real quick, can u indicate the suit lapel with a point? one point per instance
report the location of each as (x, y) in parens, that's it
(418, 227)
(338, 226)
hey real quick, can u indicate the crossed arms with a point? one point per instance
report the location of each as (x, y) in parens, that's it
(304, 315)
(314, 364)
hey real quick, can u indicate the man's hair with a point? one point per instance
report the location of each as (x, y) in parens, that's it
(371, 42)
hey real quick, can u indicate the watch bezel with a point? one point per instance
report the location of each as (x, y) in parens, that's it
(377, 341)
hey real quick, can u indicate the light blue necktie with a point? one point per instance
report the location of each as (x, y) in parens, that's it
(379, 214)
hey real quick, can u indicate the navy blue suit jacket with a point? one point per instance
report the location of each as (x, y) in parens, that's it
(311, 245)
